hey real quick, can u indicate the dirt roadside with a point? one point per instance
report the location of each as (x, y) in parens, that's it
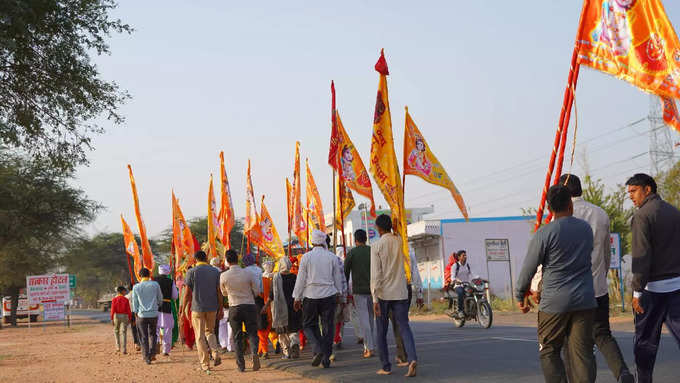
(86, 353)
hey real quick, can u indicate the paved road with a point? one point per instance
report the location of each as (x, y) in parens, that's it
(470, 354)
(98, 315)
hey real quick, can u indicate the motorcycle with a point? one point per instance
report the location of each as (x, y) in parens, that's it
(475, 305)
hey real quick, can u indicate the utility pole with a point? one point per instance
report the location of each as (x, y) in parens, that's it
(660, 143)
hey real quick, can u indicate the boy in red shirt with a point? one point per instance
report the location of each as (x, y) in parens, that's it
(120, 317)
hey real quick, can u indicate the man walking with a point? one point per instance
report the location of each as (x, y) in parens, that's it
(121, 315)
(317, 291)
(600, 259)
(166, 321)
(241, 287)
(202, 283)
(146, 300)
(390, 294)
(416, 286)
(656, 271)
(358, 266)
(565, 316)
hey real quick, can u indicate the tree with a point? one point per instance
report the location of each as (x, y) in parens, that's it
(39, 214)
(50, 91)
(613, 203)
(669, 185)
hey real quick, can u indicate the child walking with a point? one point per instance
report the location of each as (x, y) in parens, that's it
(121, 316)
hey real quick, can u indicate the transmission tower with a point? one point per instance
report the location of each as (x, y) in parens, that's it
(660, 143)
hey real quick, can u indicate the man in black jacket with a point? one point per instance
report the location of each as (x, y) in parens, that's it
(656, 271)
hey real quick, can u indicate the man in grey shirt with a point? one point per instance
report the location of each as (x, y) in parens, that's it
(241, 287)
(203, 285)
(567, 301)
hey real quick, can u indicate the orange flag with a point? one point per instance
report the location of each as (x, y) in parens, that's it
(314, 203)
(251, 209)
(268, 237)
(131, 247)
(177, 247)
(420, 161)
(298, 223)
(213, 221)
(635, 42)
(226, 215)
(289, 203)
(384, 166)
(147, 255)
(183, 236)
(345, 159)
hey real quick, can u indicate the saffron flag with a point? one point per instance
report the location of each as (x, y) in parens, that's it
(147, 255)
(251, 209)
(213, 222)
(226, 215)
(299, 225)
(131, 247)
(344, 157)
(314, 203)
(269, 238)
(634, 41)
(289, 203)
(344, 202)
(183, 240)
(420, 161)
(177, 245)
(384, 166)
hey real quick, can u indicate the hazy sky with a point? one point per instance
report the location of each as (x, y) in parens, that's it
(483, 80)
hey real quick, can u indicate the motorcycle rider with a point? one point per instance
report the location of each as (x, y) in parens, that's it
(461, 273)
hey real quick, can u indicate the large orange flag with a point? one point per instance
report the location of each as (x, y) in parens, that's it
(226, 215)
(183, 237)
(269, 238)
(299, 225)
(420, 161)
(345, 159)
(131, 247)
(314, 203)
(147, 255)
(634, 41)
(384, 165)
(213, 221)
(344, 198)
(251, 219)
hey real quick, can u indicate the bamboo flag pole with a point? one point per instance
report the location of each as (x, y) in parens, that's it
(562, 127)
(342, 219)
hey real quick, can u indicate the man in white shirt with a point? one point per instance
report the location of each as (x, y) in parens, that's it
(318, 289)
(390, 293)
(598, 220)
(461, 273)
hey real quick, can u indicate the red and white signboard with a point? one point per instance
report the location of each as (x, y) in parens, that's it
(47, 288)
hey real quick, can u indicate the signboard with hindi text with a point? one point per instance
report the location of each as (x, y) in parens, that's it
(47, 288)
(497, 250)
(53, 311)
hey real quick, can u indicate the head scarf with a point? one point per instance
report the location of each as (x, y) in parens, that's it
(164, 269)
(285, 265)
(248, 260)
(318, 237)
(279, 303)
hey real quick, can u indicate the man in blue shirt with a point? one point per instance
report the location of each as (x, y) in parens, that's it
(147, 298)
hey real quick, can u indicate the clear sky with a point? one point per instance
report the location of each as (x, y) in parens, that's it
(483, 80)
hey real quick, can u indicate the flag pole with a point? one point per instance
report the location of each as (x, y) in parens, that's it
(132, 278)
(335, 229)
(562, 127)
(342, 220)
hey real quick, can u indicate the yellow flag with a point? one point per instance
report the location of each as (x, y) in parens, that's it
(213, 222)
(299, 225)
(269, 238)
(147, 255)
(131, 247)
(344, 199)
(289, 203)
(420, 161)
(226, 215)
(251, 209)
(384, 166)
(314, 203)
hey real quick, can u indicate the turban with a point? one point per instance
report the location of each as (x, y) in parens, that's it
(248, 260)
(164, 269)
(318, 237)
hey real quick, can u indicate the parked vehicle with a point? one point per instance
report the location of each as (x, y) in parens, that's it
(475, 305)
(105, 301)
(23, 310)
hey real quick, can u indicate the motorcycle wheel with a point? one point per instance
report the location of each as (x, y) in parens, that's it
(484, 314)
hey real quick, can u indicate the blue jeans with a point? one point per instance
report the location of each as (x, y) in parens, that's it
(659, 308)
(399, 310)
(461, 296)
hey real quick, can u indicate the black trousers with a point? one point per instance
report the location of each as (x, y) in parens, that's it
(147, 336)
(314, 310)
(239, 316)
(573, 330)
(133, 329)
(659, 308)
